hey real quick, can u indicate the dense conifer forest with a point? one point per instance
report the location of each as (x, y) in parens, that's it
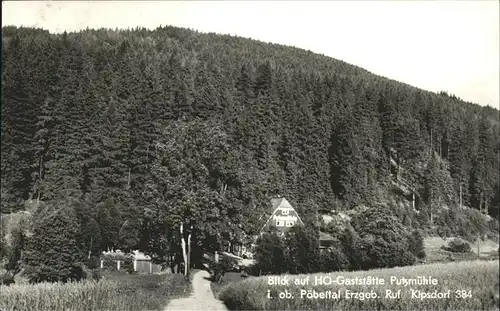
(137, 131)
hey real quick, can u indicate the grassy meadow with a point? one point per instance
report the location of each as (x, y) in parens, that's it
(478, 277)
(116, 291)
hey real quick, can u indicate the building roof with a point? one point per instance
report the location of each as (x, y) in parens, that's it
(325, 237)
(141, 256)
(275, 203)
(135, 254)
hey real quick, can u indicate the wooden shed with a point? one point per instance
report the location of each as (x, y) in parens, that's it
(143, 264)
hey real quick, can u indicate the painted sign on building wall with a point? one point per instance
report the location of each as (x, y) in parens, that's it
(284, 216)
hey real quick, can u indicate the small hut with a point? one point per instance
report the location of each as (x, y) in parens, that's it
(143, 264)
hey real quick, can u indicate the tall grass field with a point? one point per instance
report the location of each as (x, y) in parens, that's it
(115, 292)
(468, 285)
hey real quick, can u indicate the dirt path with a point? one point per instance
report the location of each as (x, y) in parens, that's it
(201, 299)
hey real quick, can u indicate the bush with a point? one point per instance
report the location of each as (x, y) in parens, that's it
(128, 265)
(13, 264)
(110, 262)
(6, 279)
(333, 259)
(91, 273)
(219, 269)
(229, 264)
(464, 223)
(372, 253)
(109, 265)
(379, 240)
(302, 251)
(417, 244)
(443, 232)
(457, 245)
(93, 263)
(3, 247)
(51, 253)
(349, 241)
(270, 254)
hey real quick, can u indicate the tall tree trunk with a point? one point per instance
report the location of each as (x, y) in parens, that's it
(128, 178)
(460, 194)
(90, 248)
(184, 251)
(40, 180)
(413, 200)
(431, 150)
(430, 209)
(188, 265)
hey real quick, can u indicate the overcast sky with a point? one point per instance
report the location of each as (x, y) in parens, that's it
(433, 45)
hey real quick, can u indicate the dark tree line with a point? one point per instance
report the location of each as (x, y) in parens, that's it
(148, 129)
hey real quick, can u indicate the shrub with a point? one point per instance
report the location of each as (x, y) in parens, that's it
(13, 264)
(3, 247)
(6, 279)
(109, 265)
(457, 245)
(51, 252)
(219, 269)
(349, 241)
(417, 244)
(382, 241)
(493, 225)
(464, 223)
(333, 259)
(302, 251)
(228, 264)
(270, 254)
(91, 273)
(93, 263)
(375, 252)
(128, 265)
(423, 216)
(110, 262)
(444, 232)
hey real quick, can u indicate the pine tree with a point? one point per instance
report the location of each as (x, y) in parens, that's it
(19, 108)
(438, 185)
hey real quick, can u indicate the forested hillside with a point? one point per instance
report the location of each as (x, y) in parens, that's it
(142, 130)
